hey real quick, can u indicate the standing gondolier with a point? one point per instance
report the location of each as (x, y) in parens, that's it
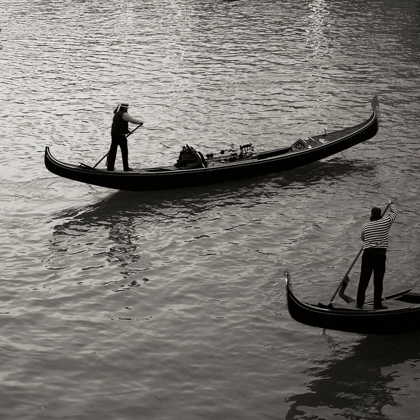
(119, 131)
(375, 235)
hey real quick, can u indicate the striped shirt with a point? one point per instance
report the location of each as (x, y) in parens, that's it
(375, 234)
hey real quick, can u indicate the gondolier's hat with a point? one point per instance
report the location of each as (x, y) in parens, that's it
(375, 214)
(122, 105)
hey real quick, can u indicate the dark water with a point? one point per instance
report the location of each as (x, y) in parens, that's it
(171, 304)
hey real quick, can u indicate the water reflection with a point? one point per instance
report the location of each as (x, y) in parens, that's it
(356, 384)
(317, 26)
(134, 232)
(189, 201)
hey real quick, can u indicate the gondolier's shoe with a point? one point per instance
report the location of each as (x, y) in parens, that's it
(380, 307)
(128, 170)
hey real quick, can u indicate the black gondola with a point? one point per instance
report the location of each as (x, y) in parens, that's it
(402, 314)
(223, 167)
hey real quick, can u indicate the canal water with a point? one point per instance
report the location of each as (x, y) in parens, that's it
(171, 304)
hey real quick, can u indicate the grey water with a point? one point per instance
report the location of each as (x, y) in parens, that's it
(171, 304)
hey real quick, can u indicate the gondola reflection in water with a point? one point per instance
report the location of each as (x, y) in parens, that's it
(199, 170)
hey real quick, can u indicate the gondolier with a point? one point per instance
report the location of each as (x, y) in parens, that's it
(119, 130)
(375, 236)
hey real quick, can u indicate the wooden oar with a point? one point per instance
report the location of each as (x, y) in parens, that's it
(99, 161)
(341, 293)
(345, 277)
(129, 134)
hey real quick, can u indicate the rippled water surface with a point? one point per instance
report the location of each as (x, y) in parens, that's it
(171, 304)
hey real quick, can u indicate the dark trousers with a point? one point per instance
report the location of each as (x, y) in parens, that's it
(373, 260)
(118, 140)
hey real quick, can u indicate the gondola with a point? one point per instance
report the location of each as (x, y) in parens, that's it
(193, 169)
(402, 314)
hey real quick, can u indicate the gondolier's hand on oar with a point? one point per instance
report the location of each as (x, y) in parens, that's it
(138, 126)
(132, 131)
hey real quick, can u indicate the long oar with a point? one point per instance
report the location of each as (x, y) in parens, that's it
(345, 277)
(107, 153)
(99, 161)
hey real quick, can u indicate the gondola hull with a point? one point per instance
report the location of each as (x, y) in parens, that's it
(218, 170)
(402, 314)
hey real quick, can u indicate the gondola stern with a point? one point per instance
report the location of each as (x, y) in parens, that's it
(48, 158)
(47, 153)
(375, 103)
(288, 281)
